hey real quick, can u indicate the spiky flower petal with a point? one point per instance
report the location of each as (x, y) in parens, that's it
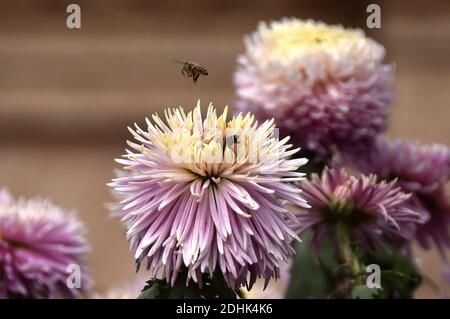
(325, 85)
(198, 193)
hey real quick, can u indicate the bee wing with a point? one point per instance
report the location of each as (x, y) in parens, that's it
(179, 62)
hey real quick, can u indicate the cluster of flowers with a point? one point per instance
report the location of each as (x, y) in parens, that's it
(223, 193)
(329, 89)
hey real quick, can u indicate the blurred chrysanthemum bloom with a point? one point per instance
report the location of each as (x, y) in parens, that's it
(326, 86)
(126, 290)
(205, 192)
(422, 170)
(41, 248)
(372, 212)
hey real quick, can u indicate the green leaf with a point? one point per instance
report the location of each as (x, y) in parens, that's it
(364, 292)
(214, 287)
(399, 275)
(313, 274)
(154, 290)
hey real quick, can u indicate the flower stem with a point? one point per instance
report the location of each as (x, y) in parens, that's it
(346, 252)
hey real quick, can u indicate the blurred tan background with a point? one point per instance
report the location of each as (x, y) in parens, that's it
(66, 96)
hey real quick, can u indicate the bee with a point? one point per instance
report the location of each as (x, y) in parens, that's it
(232, 142)
(192, 69)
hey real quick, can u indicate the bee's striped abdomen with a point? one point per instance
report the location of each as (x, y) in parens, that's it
(200, 69)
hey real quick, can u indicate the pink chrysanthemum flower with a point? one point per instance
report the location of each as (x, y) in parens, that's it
(372, 212)
(424, 171)
(325, 85)
(39, 244)
(204, 192)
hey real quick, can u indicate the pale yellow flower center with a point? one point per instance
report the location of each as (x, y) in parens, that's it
(299, 38)
(214, 145)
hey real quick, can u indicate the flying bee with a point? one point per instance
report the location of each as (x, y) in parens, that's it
(192, 69)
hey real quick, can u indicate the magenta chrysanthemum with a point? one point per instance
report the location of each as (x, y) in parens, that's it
(39, 242)
(371, 211)
(324, 85)
(424, 171)
(201, 193)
